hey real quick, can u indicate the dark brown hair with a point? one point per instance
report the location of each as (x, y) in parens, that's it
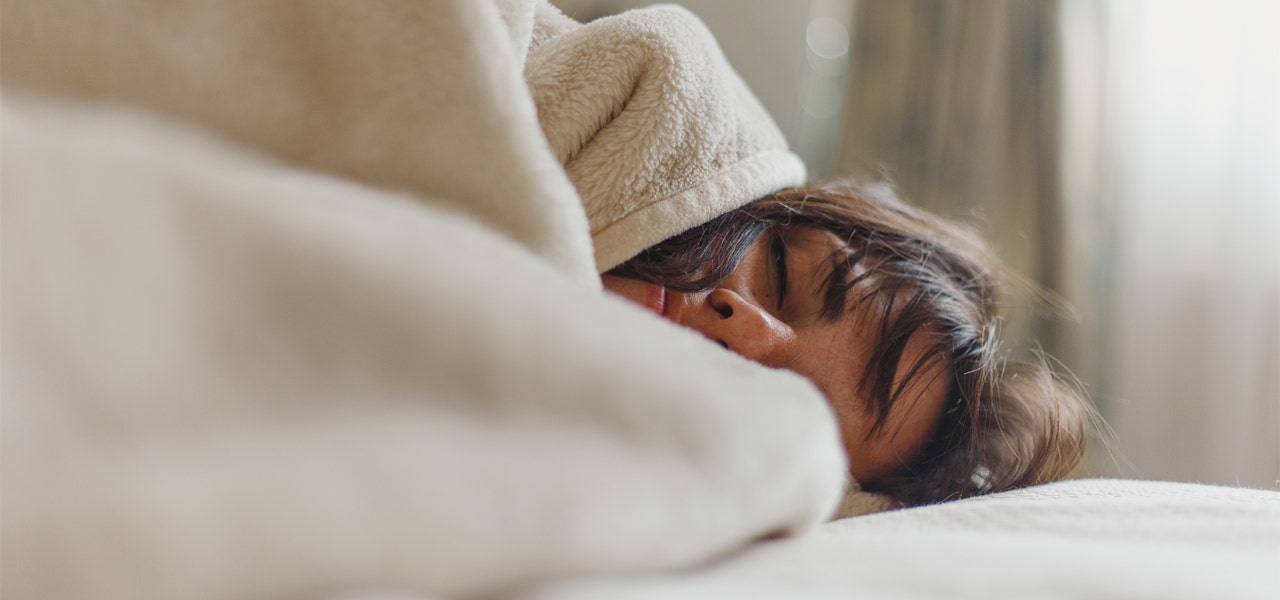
(1007, 424)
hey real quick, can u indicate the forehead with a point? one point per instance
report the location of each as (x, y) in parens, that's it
(816, 251)
(813, 239)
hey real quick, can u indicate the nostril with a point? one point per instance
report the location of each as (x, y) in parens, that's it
(725, 311)
(723, 344)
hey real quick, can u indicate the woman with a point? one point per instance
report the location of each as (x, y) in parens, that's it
(889, 311)
(892, 313)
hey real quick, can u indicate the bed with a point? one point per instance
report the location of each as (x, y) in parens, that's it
(1073, 539)
(299, 302)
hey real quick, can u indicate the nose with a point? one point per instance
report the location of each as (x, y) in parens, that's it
(743, 327)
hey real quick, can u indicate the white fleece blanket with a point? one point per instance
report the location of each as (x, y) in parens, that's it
(421, 96)
(298, 299)
(223, 378)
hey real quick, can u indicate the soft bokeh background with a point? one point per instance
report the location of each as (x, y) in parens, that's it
(1124, 155)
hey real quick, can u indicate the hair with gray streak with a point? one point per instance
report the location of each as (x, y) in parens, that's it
(1007, 424)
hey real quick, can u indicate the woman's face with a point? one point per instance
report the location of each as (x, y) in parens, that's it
(768, 310)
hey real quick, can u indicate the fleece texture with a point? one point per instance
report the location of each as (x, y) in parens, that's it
(654, 127)
(426, 98)
(227, 379)
(298, 299)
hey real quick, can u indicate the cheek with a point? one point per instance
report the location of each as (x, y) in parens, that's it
(835, 367)
(856, 424)
(867, 457)
(911, 423)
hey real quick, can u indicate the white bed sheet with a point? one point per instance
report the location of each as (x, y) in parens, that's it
(1070, 540)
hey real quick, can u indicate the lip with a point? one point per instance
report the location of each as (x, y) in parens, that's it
(655, 299)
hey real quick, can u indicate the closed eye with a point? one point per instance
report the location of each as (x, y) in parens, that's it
(779, 249)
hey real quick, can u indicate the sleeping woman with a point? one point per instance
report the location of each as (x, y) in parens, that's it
(698, 212)
(342, 305)
(892, 313)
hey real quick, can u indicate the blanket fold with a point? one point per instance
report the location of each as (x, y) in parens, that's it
(426, 98)
(297, 298)
(227, 379)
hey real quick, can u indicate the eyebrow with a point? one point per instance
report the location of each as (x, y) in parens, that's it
(779, 261)
(835, 298)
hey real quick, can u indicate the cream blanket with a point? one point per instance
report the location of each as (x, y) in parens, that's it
(297, 298)
(299, 302)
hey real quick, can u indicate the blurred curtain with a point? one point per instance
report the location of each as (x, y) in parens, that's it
(1186, 124)
(1125, 156)
(957, 103)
